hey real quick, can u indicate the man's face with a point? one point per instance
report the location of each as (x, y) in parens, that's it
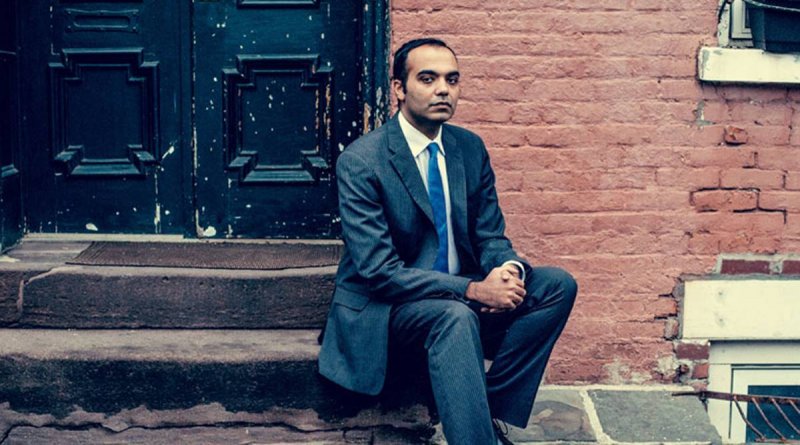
(431, 92)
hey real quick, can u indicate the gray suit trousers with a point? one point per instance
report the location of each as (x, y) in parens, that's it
(454, 338)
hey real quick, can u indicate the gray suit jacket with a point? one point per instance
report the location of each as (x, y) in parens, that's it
(391, 244)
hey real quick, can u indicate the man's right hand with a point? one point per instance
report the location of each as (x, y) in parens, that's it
(500, 291)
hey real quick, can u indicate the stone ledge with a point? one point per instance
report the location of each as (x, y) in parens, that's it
(745, 309)
(749, 66)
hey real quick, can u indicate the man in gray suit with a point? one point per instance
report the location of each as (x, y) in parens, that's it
(427, 267)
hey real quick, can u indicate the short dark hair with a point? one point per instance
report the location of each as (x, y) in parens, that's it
(399, 68)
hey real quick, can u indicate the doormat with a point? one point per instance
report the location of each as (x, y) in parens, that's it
(210, 255)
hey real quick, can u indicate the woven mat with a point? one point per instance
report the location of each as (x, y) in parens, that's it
(210, 255)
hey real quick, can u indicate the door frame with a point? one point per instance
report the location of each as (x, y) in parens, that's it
(375, 49)
(11, 211)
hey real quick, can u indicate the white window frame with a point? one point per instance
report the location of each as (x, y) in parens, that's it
(738, 16)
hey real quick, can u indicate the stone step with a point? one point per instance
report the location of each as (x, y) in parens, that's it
(39, 290)
(133, 386)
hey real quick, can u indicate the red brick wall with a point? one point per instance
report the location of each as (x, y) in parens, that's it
(611, 159)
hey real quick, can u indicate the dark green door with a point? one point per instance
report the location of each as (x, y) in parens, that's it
(276, 86)
(205, 118)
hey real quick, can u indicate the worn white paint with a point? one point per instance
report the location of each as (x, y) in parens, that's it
(157, 217)
(210, 232)
(169, 151)
(91, 227)
(747, 65)
(741, 310)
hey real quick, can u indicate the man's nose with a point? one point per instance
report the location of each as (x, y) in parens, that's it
(442, 87)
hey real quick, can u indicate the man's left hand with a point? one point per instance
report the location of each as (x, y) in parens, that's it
(507, 272)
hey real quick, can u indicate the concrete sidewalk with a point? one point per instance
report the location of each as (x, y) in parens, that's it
(614, 415)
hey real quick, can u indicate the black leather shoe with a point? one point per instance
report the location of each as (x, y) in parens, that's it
(501, 430)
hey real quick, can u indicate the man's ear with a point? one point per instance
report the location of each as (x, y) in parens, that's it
(399, 91)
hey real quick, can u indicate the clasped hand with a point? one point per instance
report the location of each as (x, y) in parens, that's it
(502, 290)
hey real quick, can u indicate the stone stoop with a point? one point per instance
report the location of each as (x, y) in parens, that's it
(144, 355)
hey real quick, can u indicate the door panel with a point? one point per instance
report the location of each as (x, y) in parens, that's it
(276, 98)
(102, 116)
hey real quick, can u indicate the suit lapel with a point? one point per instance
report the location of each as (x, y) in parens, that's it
(456, 180)
(403, 162)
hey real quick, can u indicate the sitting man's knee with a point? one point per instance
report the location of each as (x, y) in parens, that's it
(559, 282)
(454, 320)
(568, 284)
(458, 312)
(454, 315)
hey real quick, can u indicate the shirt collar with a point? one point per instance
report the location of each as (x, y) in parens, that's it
(416, 140)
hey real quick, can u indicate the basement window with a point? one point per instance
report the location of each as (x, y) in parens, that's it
(754, 368)
(753, 328)
(780, 381)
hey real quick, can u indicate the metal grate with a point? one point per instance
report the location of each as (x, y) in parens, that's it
(781, 404)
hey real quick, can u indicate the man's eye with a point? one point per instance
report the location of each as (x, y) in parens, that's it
(426, 79)
(453, 81)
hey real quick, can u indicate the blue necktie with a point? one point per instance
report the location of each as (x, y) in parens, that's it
(436, 195)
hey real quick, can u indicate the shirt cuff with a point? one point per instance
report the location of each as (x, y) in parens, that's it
(519, 266)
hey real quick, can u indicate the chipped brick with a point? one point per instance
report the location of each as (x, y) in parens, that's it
(700, 371)
(735, 135)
